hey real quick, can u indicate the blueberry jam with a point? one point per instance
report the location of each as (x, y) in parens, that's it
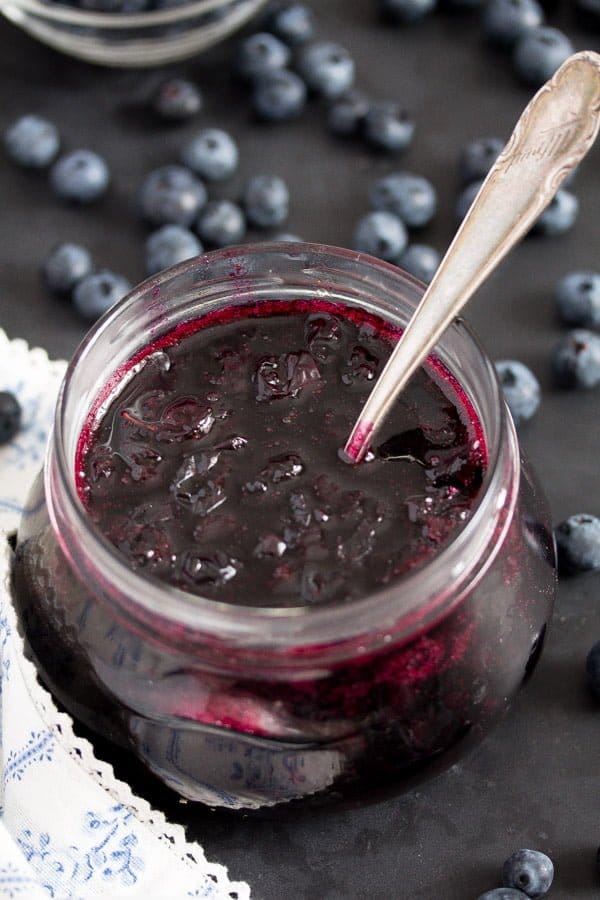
(216, 467)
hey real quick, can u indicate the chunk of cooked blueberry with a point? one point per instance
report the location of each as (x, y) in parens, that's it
(578, 544)
(10, 416)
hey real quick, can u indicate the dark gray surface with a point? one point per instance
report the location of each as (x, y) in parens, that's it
(535, 781)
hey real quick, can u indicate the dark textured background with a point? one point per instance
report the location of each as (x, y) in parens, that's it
(536, 780)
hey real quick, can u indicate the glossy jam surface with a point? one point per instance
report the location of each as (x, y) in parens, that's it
(215, 466)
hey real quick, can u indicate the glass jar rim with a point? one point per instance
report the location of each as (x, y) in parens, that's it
(452, 568)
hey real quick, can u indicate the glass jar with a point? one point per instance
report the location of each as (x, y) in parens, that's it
(246, 707)
(131, 39)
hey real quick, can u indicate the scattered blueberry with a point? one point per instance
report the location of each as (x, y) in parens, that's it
(505, 21)
(578, 299)
(294, 24)
(10, 416)
(559, 216)
(65, 265)
(172, 195)
(381, 234)
(478, 157)
(32, 142)
(405, 11)
(520, 387)
(266, 201)
(539, 53)
(576, 359)
(212, 154)
(411, 197)
(420, 260)
(388, 127)
(286, 237)
(327, 68)
(221, 223)
(347, 113)
(81, 176)
(169, 245)
(96, 293)
(261, 53)
(530, 871)
(177, 100)
(279, 96)
(466, 197)
(578, 544)
(592, 674)
(503, 893)
(589, 11)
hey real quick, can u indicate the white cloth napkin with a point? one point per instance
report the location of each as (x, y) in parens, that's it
(68, 827)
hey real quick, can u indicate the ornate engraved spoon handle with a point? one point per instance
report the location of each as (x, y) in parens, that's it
(553, 134)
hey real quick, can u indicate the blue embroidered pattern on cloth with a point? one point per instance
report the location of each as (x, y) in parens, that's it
(69, 830)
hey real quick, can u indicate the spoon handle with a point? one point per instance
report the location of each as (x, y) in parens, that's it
(554, 132)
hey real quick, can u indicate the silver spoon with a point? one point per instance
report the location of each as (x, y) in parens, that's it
(554, 132)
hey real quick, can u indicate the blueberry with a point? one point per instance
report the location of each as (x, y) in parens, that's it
(529, 871)
(169, 245)
(81, 176)
(347, 113)
(10, 416)
(96, 293)
(286, 237)
(539, 53)
(327, 68)
(589, 11)
(261, 53)
(578, 299)
(520, 387)
(465, 199)
(405, 11)
(503, 893)
(592, 674)
(411, 197)
(380, 233)
(478, 157)
(221, 223)
(576, 359)
(578, 544)
(279, 96)
(172, 195)
(505, 21)
(212, 153)
(65, 266)
(559, 216)
(32, 142)
(388, 127)
(266, 201)
(177, 100)
(420, 260)
(294, 24)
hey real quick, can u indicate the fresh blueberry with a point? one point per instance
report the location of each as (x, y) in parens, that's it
(592, 674)
(96, 293)
(327, 68)
(478, 157)
(286, 237)
(539, 53)
(505, 21)
(221, 223)
(578, 544)
(520, 387)
(261, 53)
(420, 260)
(81, 176)
(589, 11)
(388, 127)
(576, 360)
(32, 142)
(279, 96)
(405, 11)
(65, 266)
(503, 893)
(578, 299)
(177, 100)
(465, 199)
(266, 201)
(347, 113)
(172, 195)
(212, 153)
(293, 23)
(10, 416)
(411, 197)
(382, 234)
(559, 216)
(530, 871)
(169, 245)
